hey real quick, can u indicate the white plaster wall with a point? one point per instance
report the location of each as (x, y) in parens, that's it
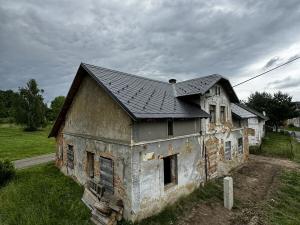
(258, 126)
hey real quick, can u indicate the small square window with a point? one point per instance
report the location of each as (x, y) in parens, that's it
(240, 145)
(228, 150)
(70, 156)
(170, 127)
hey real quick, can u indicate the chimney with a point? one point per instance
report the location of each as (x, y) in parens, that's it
(172, 81)
(264, 113)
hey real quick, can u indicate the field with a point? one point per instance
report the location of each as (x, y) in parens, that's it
(279, 145)
(42, 195)
(285, 206)
(15, 143)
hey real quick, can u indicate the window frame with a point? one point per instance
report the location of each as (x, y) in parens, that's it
(223, 120)
(170, 126)
(240, 147)
(213, 119)
(70, 156)
(90, 169)
(227, 156)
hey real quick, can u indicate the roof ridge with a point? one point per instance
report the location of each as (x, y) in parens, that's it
(200, 78)
(129, 74)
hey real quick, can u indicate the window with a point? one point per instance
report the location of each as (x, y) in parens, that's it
(217, 90)
(223, 114)
(90, 164)
(170, 170)
(228, 150)
(240, 145)
(70, 156)
(212, 112)
(170, 127)
(107, 174)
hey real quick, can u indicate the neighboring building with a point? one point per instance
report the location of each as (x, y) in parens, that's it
(243, 116)
(144, 141)
(295, 121)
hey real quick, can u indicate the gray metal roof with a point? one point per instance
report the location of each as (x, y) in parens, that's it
(241, 112)
(143, 97)
(197, 86)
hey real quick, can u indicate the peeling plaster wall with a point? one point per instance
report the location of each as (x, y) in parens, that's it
(150, 196)
(258, 126)
(149, 193)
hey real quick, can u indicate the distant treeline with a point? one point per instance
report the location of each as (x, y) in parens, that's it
(26, 106)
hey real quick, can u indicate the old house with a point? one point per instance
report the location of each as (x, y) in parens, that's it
(295, 121)
(139, 144)
(244, 116)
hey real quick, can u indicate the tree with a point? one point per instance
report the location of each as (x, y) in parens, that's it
(7, 100)
(55, 107)
(30, 108)
(278, 107)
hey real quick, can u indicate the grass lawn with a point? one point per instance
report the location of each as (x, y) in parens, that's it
(42, 195)
(279, 145)
(15, 143)
(285, 208)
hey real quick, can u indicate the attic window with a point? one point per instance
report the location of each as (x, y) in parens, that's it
(217, 90)
(170, 127)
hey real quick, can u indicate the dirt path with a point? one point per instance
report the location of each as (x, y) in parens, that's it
(24, 163)
(253, 185)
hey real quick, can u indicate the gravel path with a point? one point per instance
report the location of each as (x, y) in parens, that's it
(24, 163)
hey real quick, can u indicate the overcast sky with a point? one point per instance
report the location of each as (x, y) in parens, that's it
(48, 39)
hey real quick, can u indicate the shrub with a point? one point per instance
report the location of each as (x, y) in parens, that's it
(7, 171)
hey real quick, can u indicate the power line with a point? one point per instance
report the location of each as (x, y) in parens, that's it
(292, 60)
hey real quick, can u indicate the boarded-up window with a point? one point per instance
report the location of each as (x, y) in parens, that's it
(228, 150)
(170, 127)
(70, 156)
(240, 145)
(212, 112)
(170, 170)
(90, 164)
(222, 114)
(106, 174)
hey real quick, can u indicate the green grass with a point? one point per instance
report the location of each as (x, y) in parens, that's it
(211, 192)
(284, 209)
(15, 143)
(279, 145)
(42, 195)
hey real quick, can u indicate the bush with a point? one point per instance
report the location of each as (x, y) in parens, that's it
(7, 171)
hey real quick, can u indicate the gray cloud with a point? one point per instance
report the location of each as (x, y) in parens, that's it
(47, 39)
(285, 83)
(271, 62)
